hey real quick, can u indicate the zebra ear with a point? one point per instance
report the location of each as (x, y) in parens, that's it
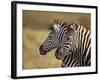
(56, 27)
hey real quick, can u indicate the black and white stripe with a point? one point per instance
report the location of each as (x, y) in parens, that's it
(68, 60)
(72, 43)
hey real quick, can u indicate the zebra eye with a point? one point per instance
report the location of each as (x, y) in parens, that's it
(68, 38)
(50, 36)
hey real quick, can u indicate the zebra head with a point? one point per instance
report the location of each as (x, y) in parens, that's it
(61, 35)
(55, 37)
(59, 53)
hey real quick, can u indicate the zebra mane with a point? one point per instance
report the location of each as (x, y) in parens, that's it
(60, 22)
(73, 26)
(57, 24)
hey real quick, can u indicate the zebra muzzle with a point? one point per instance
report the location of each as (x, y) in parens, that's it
(42, 51)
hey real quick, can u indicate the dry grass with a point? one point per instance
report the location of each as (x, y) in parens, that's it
(35, 30)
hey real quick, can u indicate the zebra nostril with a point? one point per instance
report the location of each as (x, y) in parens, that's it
(42, 51)
(41, 47)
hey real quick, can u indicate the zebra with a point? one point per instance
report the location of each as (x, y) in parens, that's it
(72, 42)
(67, 60)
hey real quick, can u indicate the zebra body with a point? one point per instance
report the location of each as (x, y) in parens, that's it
(72, 43)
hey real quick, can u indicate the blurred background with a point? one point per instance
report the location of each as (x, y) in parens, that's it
(36, 26)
